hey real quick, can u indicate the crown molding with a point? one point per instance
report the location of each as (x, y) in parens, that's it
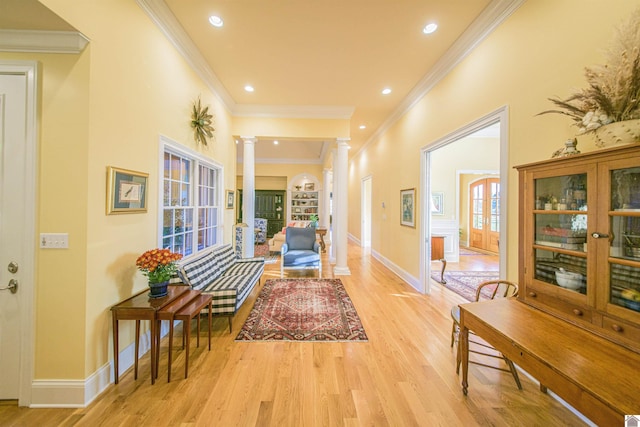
(166, 21)
(491, 17)
(294, 111)
(283, 161)
(42, 41)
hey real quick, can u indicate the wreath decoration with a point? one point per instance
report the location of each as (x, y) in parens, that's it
(201, 123)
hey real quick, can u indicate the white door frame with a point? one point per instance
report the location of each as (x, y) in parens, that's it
(500, 115)
(28, 201)
(365, 211)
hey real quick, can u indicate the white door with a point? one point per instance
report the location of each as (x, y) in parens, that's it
(16, 265)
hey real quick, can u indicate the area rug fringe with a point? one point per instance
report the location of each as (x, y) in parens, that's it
(315, 310)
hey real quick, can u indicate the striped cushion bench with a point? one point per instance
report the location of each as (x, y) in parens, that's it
(228, 279)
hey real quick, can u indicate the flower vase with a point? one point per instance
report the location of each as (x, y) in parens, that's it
(618, 133)
(158, 290)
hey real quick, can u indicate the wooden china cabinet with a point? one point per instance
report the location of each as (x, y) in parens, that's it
(580, 241)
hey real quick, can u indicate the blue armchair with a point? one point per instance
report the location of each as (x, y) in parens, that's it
(300, 250)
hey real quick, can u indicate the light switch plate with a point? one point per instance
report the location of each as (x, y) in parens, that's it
(54, 240)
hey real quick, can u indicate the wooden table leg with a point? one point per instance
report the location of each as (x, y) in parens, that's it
(464, 353)
(197, 330)
(115, 346)
(187, 334)
(210, 310)
(154, 349)
(157, 359)
(322, 243)
(444, 265)
(170, 350)
(137, 350)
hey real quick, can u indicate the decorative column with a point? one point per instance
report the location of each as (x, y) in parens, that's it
(341, 208)
(326, 200)
(249, 193)
(332, 189)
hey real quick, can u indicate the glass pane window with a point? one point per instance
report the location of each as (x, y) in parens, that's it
(208, 203)
(190, 198)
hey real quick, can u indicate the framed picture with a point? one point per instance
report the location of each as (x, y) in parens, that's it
(126, 191)
(309, 186)
(408, 207)
(231, 197)
(437, 203)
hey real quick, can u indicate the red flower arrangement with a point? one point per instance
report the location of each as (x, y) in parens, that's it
(158, 264)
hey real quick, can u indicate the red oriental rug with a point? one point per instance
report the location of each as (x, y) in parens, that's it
(465, 283)
(303, 310)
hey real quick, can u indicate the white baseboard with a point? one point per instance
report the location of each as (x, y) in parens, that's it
(414, 282)
(80, 393)
(411, 280)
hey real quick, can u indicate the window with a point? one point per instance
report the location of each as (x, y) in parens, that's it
(207, 207)
(191, 195)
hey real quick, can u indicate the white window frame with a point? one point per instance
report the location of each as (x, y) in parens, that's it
(197, 159)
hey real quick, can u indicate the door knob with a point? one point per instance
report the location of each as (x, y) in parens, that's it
(12, 286)
(12, 267)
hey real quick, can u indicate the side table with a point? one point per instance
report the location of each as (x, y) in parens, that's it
(168, 312)
(186, 314)
(321, 232)
(141, 307)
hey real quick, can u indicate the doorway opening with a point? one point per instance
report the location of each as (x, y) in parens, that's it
(472, 154)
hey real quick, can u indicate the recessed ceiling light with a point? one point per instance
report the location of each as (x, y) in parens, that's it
(249, 88)
(430, 28)
(275, 142)
(363, 127)
(386, 91)
(216, 21)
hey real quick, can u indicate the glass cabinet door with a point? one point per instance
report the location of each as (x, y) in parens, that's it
(560, 231)
(624, 250)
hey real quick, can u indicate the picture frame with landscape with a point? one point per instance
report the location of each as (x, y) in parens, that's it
(408, 207)
(230, 199)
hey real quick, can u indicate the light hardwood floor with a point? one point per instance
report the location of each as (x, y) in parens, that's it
(404, 376)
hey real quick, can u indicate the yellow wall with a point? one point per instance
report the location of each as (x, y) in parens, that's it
(61, 207)
(105, 107)
(108, 106)
(535, 54)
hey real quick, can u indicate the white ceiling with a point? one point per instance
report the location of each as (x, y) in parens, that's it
(305, 58)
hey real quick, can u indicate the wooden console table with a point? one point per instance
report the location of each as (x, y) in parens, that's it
(141, 307)
(594, 375)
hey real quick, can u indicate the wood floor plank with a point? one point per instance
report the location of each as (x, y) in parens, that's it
(404, 375)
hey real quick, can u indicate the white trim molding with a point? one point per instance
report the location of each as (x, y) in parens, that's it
(490, 18)
(42, 41)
